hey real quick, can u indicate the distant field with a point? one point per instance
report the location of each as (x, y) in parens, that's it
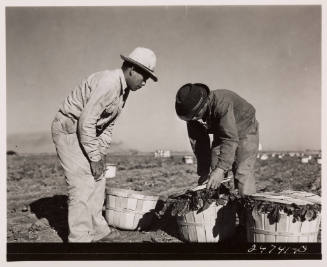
(36, 190)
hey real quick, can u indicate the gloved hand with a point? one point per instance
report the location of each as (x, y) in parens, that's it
(97, 168)
(216, 177)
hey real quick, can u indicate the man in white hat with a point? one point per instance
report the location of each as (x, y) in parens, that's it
(81, 132)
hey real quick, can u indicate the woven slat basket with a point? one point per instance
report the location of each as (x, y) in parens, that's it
(128, 209)
(259, 228)
(188, 159)
(214, 224)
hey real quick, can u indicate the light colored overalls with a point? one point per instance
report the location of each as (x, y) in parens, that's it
(81, 132)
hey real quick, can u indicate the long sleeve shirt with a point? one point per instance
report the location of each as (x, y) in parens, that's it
(92, 108)
(229, 120)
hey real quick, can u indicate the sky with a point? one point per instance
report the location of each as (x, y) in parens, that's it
(269, 55)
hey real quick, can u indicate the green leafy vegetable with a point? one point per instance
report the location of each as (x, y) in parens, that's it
(273, 209)
(198, 201)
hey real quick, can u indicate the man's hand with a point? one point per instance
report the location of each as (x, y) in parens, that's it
(216, 177)
(202, 179)
(97, 168)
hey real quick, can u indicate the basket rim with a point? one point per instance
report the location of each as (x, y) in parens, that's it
(287, 197)
(280, 233)
(110, 164)
(121, 192)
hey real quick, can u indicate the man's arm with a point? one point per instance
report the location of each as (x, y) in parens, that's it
(227, 134)
(200, 142)
(105, 139)
(100, 97)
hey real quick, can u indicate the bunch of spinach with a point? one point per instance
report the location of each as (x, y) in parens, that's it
(273, 209)
(196, 201)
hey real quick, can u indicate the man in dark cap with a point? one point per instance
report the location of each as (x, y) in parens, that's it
(82, 131)
(231, 120)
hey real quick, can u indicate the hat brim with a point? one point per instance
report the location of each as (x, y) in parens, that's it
(147, 70)
(194, 113)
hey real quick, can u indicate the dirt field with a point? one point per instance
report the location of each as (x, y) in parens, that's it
(36, 191)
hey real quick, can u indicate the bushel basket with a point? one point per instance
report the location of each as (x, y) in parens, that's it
(128, 209)
(214, 224)
(261, 228)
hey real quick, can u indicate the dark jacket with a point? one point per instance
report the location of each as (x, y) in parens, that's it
(229, 119)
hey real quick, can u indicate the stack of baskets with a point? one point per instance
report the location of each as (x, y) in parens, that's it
(260, 229)
(128, 209)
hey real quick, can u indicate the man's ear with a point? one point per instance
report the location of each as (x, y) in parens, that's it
(131, 70)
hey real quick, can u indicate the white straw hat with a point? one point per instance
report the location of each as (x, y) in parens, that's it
(144, 58)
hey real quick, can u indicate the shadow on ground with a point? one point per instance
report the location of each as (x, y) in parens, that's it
(55, 210)
(165, 223)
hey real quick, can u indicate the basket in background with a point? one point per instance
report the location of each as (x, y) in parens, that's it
(110, 170)
(188, 159)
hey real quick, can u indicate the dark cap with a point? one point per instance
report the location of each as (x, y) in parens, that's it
(190, 98)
